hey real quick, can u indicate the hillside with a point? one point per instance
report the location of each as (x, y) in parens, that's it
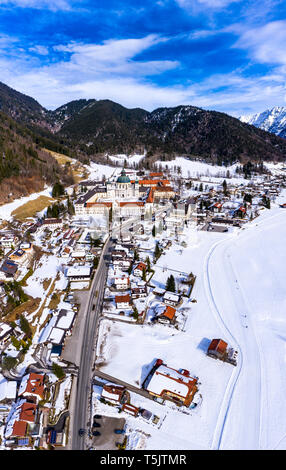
(24, 166)
(86, 129)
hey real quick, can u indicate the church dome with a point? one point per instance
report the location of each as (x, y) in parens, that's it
(123, 178)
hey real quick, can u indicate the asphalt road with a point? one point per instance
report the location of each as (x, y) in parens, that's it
(93, 309)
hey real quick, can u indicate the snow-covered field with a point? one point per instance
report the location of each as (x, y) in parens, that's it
(241, 297)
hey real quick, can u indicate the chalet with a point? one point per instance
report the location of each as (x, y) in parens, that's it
(139, 292)
(114, 393)
(139, 268)
(167, 315)
(22, 417)
(121, 283)
(171, 298)
(123, 301)
(217, 348)
(32, 387)
(169, 384)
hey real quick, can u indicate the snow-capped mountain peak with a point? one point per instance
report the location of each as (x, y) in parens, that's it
(272, 120)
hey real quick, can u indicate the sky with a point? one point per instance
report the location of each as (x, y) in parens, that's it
(224, 55)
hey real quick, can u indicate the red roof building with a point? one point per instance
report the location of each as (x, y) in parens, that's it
(217, 348)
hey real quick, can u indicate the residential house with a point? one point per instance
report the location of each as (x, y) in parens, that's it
(170, 384)
(123, 301)
(32, 387)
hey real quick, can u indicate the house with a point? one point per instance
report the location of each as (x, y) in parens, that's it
(79, 273)
(8, 269)
(167, 315)
(114, 393)
(169, 384)
(171, 298)
(52, 223)
(8, 390)
(7, 241)
(217, 348)
(122, 282)
(123, 301)
(138, 270)
(5, 331)
(139, 292)
(32, 386)
(23, 415)
(130, 409)
(19, 256)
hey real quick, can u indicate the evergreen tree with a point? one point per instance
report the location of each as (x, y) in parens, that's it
(58, 190)
(170, 284)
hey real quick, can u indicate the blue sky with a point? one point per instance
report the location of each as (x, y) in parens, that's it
(227, 55)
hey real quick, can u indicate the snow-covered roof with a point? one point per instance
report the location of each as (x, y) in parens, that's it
(171, 380)
(8, 388)
(65, 319)
(56, 336)
(78, 271)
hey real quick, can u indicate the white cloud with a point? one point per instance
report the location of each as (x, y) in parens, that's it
(111, 70)
(266, 44)
(215, 4)
(53, 5)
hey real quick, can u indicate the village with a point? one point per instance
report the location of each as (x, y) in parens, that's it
(153, 353)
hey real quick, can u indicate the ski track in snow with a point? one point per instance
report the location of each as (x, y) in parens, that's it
(260, 424)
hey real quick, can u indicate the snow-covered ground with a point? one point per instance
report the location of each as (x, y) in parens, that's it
(240, 293)
(193, 168)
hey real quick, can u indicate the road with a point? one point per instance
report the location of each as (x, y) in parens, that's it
(131, 388)
(93, 308)
(79, 409)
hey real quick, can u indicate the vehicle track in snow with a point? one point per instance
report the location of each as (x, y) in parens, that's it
(229, 336)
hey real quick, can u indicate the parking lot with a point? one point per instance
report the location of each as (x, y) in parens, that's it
(108, 438)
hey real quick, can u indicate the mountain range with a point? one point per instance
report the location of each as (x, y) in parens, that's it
(272, 120)
(92, 129)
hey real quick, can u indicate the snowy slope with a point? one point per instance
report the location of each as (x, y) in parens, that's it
(272, 120)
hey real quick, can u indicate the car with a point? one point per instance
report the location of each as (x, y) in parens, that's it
(119, 431)
(96, 425)
(96, 433)
(81, 432)
(97, 417)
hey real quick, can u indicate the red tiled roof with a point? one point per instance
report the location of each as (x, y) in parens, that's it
(169, 312)
(217, 345)
(122, 298)
(28, 412)
(107, 204)
(141, 266)
(35, 384)
(19, 428)
(135, 203)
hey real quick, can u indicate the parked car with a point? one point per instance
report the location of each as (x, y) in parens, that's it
(119, 431)
(97, 417)
(96, 425)
(96, 433)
